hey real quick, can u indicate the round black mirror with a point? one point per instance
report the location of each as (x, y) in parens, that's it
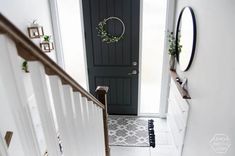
(186, 35)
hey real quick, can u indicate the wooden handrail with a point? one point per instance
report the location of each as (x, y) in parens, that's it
(31, 52)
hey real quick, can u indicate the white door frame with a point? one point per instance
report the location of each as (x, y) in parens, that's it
(57, 33)
(84, 44)
(170, 24)
(170, 20)
(140, 56)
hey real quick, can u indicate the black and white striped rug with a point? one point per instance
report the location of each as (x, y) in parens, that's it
(131, 131)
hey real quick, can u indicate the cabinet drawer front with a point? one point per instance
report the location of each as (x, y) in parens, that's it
(179, 115)
(178, 136)
(177, 118)
(174, 94)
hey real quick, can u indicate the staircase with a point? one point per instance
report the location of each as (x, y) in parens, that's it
(74, 115)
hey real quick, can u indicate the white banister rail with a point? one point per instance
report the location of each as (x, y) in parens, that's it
(64, 108)
(29, 51)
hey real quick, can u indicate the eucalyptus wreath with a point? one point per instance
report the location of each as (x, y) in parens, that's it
(105, 35)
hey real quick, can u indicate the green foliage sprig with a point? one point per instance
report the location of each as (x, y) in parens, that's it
(105, 36)
(25, 66)
(47, 38)
(173, 45)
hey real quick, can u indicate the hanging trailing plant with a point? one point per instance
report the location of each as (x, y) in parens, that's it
(105, 35)
(25, 66)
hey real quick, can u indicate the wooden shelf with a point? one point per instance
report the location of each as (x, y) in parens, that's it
(183, 92)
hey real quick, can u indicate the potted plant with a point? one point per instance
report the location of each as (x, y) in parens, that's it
(47, 45)
(172, 51)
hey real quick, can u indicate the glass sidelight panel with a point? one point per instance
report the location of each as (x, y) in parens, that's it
(153, 31)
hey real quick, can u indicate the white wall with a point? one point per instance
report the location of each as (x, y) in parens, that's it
(71, 26)
(23, 12)
(211, 76)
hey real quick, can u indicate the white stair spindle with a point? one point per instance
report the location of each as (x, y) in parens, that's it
(60, 109)
(12, 95)
(85, 125)
(78, 123)
(96, 130)
(92, 129)
(100, 130)
(70, 112)
(101, 123)
(43, 103)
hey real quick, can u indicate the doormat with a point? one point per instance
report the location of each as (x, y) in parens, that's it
(131, 131)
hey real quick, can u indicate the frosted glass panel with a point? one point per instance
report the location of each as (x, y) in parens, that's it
(154, 14)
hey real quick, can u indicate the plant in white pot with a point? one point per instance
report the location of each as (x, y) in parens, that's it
(172, 51)
(47, 45)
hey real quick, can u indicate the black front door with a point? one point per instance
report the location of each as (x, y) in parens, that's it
(114, 64)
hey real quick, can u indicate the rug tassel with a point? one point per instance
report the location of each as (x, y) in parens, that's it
(151, 133)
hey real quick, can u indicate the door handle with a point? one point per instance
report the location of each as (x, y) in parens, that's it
(134, 72)
(134, 63)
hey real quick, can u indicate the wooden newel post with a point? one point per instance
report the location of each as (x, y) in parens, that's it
(101, 93)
